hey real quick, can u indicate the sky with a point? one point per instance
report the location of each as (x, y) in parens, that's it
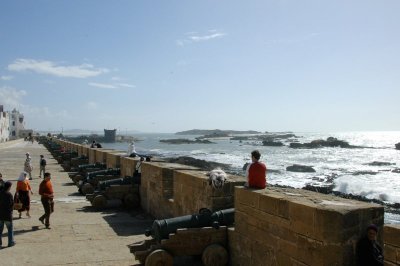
(168, 66)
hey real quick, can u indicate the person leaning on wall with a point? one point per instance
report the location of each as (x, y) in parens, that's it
(368, 251)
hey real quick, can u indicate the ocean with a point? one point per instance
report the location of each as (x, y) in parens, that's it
(347, 170)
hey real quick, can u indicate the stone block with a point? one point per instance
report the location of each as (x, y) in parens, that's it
(390, 253)
(391, 235)
(247, 197)
(275, 205)
(113, 159)
(128, 165)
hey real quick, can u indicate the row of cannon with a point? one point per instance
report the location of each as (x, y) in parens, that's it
(100, 185)
(204, 234)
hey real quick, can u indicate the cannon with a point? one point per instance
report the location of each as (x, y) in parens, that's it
(126, 190)
(202, 234)
(88, 184)
(75, 162)
(86, 168)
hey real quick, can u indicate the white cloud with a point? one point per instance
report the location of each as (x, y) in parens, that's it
(126, 85)
(6, 77)
(102, 85)
(11, 97)
(111, 86)
(51, 68)
(195, 37)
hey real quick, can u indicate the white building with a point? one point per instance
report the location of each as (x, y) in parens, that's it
(4, 125)
(17, 124)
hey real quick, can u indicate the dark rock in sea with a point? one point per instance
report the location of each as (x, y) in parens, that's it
(202, 164)
(365, 173)
(397, 145)
(397, 170)
(185, 141)
(320, 189)
(272, 143)
(376, 163)
(300, 168)
(319, 143)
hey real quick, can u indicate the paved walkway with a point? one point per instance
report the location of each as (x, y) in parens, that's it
(78, 235)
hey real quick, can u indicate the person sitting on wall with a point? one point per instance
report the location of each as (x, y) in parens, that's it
(368, 251)
(94, 144)
(98, 145)
(256, 172)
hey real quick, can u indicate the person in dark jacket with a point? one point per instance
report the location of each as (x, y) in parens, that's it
(6, 210)
(1, 182)
(369, 252)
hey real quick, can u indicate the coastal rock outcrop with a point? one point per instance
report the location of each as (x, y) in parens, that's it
(377, 163)
(319, 143)
(272, 143)
(186, 141)
(202, 164)
(300, 168)
(397, 145)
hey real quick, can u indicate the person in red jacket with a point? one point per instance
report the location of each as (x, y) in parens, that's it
(46, 191)
(256, 172)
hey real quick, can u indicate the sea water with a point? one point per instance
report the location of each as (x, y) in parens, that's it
(346, 169)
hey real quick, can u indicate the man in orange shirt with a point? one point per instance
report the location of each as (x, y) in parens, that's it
(46, 191)
(256, 172)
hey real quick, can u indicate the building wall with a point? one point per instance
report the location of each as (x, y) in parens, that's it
(17, 123)
(4, 127)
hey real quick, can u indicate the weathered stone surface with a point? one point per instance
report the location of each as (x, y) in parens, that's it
(298, 227)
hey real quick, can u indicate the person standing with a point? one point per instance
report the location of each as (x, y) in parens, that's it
(22, 192)
(1, 182)
(368, 251)
(42, 165)
(131, 148)
(47, 196)
(6, 209)
(256, 172)
(28, 165)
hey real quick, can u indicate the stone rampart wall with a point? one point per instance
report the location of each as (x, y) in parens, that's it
(274, 226)
(391, 236)
(297, 227)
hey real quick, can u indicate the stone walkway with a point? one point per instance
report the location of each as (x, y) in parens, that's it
(78, 234)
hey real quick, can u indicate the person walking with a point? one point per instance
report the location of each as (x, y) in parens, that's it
(22, 192)
(6, 210)
(256, 172)
(42, 165)
(47, 196)
(28, 165)
(1, 182)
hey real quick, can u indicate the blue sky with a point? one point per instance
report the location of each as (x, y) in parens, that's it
(167, 66)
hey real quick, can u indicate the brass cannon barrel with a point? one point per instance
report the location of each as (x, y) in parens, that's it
(205, 218)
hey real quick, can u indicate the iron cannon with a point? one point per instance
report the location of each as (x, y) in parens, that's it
(162, 228)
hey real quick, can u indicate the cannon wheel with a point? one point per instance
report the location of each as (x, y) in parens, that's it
(131, 200)
(77, 178)
(99, 202)
(87, 188)
(214, 255)
(159, 257)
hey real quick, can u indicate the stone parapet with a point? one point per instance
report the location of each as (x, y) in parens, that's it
(193, 191)
(391, 236)
(278, 226)
(113, 159)
(156, 190)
